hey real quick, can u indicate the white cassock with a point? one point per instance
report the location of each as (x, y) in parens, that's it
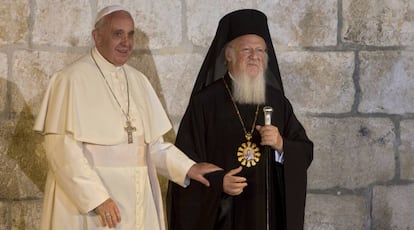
(89, 157)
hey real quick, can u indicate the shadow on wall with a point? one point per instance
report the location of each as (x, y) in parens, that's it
(143, 60)
(25, 146)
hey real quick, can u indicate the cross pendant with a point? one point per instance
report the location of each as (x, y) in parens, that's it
(129, 129)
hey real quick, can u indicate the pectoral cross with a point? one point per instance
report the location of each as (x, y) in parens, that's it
(129, 129)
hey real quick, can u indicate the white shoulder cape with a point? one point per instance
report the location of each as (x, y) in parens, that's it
(79, 102)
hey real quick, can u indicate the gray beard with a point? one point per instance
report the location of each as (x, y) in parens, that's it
(248, 90)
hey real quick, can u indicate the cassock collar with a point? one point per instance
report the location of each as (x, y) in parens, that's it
(104, 64)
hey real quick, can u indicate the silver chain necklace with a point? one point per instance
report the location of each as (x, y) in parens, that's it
(129, 128)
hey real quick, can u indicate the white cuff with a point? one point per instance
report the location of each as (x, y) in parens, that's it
(279, 157)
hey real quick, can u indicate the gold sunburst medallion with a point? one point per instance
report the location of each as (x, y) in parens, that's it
(248, 154)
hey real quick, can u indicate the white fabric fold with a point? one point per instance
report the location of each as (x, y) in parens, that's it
(79, 102)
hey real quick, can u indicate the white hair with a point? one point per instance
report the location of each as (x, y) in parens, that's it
(247, 89)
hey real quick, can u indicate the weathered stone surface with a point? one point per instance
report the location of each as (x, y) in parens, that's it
(302, 22)
(4, 216)
(351, 152)
(387, 80)
(406, 149)
(63, 23)
(326, 212)
(158, 23)
(385, 23)
(145, 63)
(291, 23)
(14, 22)
(173, 85)
(3, 81)
(31, 73)
(355, 150)
(318, 82)
(26, 215)
(23, 165)
(202, 19)
(392, 207)
(177, 83)
(172, 77)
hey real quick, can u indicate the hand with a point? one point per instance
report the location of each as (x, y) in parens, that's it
(234, 185)
(109, 213)
(271, 137)
(197, 172)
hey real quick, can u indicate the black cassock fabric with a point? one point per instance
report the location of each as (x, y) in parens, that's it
(210, 131)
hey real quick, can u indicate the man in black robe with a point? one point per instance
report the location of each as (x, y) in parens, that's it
(263, 181)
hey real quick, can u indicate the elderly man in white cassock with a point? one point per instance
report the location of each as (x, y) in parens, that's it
(103, 126)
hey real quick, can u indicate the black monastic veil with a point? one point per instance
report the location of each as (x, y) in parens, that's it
(231, 26)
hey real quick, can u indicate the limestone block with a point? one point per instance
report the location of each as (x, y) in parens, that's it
(26, 215)
(392, 207)
(203, 17)
(302, 22)
(23, 165)
(31, 73)
(177, 75)
(172, 76)
(3, 81)
(62, 23)
(318, 82)
(145, 63)
(326, 212)
(158, 23)
(386, 81)
(406, 150)
(4, 217)
(350, 152)
(367, 22)
(14, 28)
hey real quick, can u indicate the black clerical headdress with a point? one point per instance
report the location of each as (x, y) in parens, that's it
(231, 26)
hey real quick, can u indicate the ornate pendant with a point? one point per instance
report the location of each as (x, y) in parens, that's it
(248, 154)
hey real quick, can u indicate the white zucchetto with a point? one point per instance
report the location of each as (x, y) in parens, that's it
(108, 10)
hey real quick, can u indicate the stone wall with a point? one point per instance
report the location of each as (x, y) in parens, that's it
(347, 67)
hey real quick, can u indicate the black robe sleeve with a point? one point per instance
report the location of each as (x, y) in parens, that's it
(197, 205)
(210, 132)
